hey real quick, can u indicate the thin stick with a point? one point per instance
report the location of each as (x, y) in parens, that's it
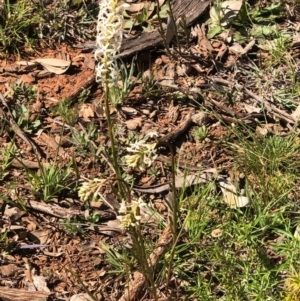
(270, 108)
(15, 126)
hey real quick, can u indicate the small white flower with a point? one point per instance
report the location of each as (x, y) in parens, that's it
(90, 188)
(152, 134)
(123, 207)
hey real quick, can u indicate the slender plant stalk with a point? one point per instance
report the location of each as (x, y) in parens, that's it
(172, 253)
(144, 260)
(175, 198)
(162, 32)
(175, 26)
(112, 140)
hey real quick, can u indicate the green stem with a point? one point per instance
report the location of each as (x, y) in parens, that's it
(144, 260)
(112, 139)
(172, 18)
(162, 32)
(175, 197)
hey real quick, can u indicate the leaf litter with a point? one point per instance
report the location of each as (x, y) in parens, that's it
(55, 235)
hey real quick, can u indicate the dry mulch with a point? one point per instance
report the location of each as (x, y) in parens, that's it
(73, 263)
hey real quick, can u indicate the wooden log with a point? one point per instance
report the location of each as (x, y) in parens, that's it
(191, 9)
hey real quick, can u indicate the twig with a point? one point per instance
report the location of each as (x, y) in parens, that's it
(15, 126)
(90, 81)
(182, 128)
(60, 212)
(269, 107)
(20, 163)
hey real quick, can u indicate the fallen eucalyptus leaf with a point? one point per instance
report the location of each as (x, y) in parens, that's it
(54, 65)
(135, 7)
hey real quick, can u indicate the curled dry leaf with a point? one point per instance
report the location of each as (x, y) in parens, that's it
(231, 198)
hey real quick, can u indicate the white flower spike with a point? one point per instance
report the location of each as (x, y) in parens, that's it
(109, 40)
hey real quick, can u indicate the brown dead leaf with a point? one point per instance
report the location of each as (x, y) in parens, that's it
(205, 48)
(221, 52)
(13, 213)
(40, 235)
(134, 124)
(236, 48)
(8, 270)
(88, 60)
(86, 111)
(251, 109)
(31, 226)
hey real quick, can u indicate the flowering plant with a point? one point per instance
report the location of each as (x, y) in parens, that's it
(108, 41)
(143, 153)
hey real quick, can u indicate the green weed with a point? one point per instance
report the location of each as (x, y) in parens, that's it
(51, 181)
(66, 110)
